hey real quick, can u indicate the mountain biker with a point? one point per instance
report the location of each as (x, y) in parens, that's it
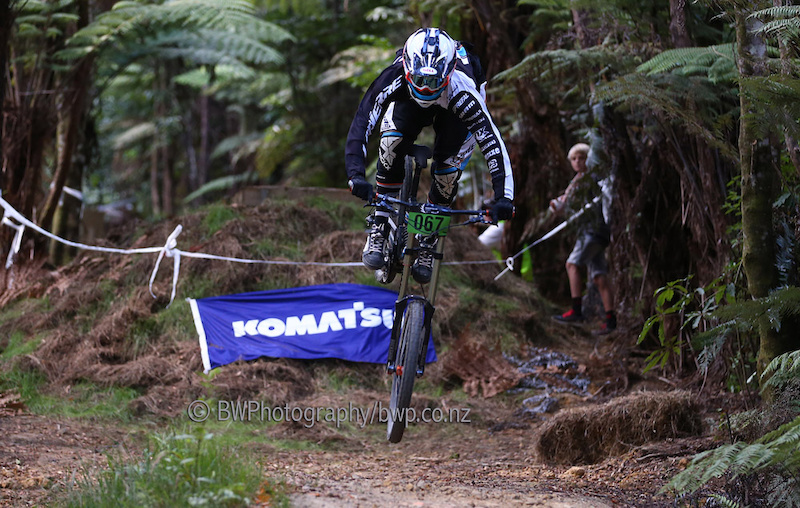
(434, 80)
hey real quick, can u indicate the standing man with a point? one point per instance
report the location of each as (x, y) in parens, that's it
(594, 236)
(434, 80)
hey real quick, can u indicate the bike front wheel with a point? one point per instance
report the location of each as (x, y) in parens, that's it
(408, 351)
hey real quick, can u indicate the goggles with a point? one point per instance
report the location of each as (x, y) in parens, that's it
(430, 83)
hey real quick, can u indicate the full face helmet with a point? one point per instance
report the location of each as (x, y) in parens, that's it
(429, 57)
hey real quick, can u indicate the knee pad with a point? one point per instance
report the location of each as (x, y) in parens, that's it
(445, 184)
(387, 152)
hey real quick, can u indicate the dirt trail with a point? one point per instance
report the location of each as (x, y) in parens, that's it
(436, 465)
(489, 462)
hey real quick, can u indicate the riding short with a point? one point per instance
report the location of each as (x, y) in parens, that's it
(453, 146)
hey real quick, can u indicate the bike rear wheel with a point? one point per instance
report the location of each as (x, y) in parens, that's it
(408, 351)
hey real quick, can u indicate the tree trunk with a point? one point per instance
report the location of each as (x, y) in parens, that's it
(678, 31)
(758, 192)
(167, 192)
(579, 22)
(792, 147)
(5, 32)
(202, 160)
(155, 200)
(74, 102)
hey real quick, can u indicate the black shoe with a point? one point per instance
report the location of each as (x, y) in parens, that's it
(373, 257)
(570, 318)
(422, 269)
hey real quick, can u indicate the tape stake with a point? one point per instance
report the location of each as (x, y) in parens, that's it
(509, 267)
(16, 243)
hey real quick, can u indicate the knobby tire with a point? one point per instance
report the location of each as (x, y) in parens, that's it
(408, 351)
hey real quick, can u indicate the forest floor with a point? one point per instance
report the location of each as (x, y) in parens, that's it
(633, 436)
(488, 461)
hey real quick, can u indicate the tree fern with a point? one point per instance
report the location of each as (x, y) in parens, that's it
(776, 454)
(782, 370)
(230, 27)
(666, 95)
(702, 58)
(554, 64)
(784, 22)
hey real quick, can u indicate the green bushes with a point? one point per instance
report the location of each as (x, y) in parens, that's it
(178, 470)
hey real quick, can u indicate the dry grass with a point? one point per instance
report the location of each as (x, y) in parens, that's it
(586, 435)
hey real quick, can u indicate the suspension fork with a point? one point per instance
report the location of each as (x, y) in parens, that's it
(399, 309)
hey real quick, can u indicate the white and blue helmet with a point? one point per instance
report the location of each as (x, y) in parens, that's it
(429, 57)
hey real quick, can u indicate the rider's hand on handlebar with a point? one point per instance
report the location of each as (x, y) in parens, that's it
(361, 188)
(502, 209)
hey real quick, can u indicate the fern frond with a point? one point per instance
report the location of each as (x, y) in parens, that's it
(224, 183)
(701, 57)
(724, 501)
(557, 4)
(128, 22)
(640, 90)
(135, 134)
(786, 11)
(551, 64)
(780, 303)
(234, 143)
(783, 492)
(782, 370)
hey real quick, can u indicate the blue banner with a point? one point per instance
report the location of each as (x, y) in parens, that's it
(346, 321)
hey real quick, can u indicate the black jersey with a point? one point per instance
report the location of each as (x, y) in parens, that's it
(464, 95)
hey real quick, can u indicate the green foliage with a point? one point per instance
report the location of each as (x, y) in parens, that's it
(18, 344)
(561, 63)
(177, 470)
(217, 216)
(669, 94)
(201, 31)
(775, 456)
(82, 400)
(360, 65)
(222, 184)
(693, 307)
(782, 371)
(718, 62)
(782, 22)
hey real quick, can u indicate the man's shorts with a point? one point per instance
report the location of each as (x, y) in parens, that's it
(591, 254)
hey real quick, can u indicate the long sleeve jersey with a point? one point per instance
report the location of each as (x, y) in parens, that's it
(464, 96)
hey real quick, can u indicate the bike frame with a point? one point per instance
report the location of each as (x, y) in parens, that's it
(413, 313)
(409, 252)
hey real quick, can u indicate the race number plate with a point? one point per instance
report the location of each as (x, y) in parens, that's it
(428, 223)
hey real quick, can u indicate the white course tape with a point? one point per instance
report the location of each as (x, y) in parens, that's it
(550, 234)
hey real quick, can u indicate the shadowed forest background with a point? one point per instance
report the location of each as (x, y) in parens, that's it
(154, 109)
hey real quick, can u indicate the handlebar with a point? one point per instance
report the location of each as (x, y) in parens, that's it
(478, 216)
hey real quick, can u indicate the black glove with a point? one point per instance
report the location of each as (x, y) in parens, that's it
(361, 188)
(502, 209)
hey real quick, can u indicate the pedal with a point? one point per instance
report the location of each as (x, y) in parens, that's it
(384, 275)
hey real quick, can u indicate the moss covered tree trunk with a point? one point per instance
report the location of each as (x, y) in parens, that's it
(759, 184)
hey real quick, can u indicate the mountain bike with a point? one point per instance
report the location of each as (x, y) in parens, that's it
(410, 221)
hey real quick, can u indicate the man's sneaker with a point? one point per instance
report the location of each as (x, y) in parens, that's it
(372, 257)
(570, 317)
(422, 269)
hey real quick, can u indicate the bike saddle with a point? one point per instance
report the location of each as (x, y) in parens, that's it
(421, 154)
